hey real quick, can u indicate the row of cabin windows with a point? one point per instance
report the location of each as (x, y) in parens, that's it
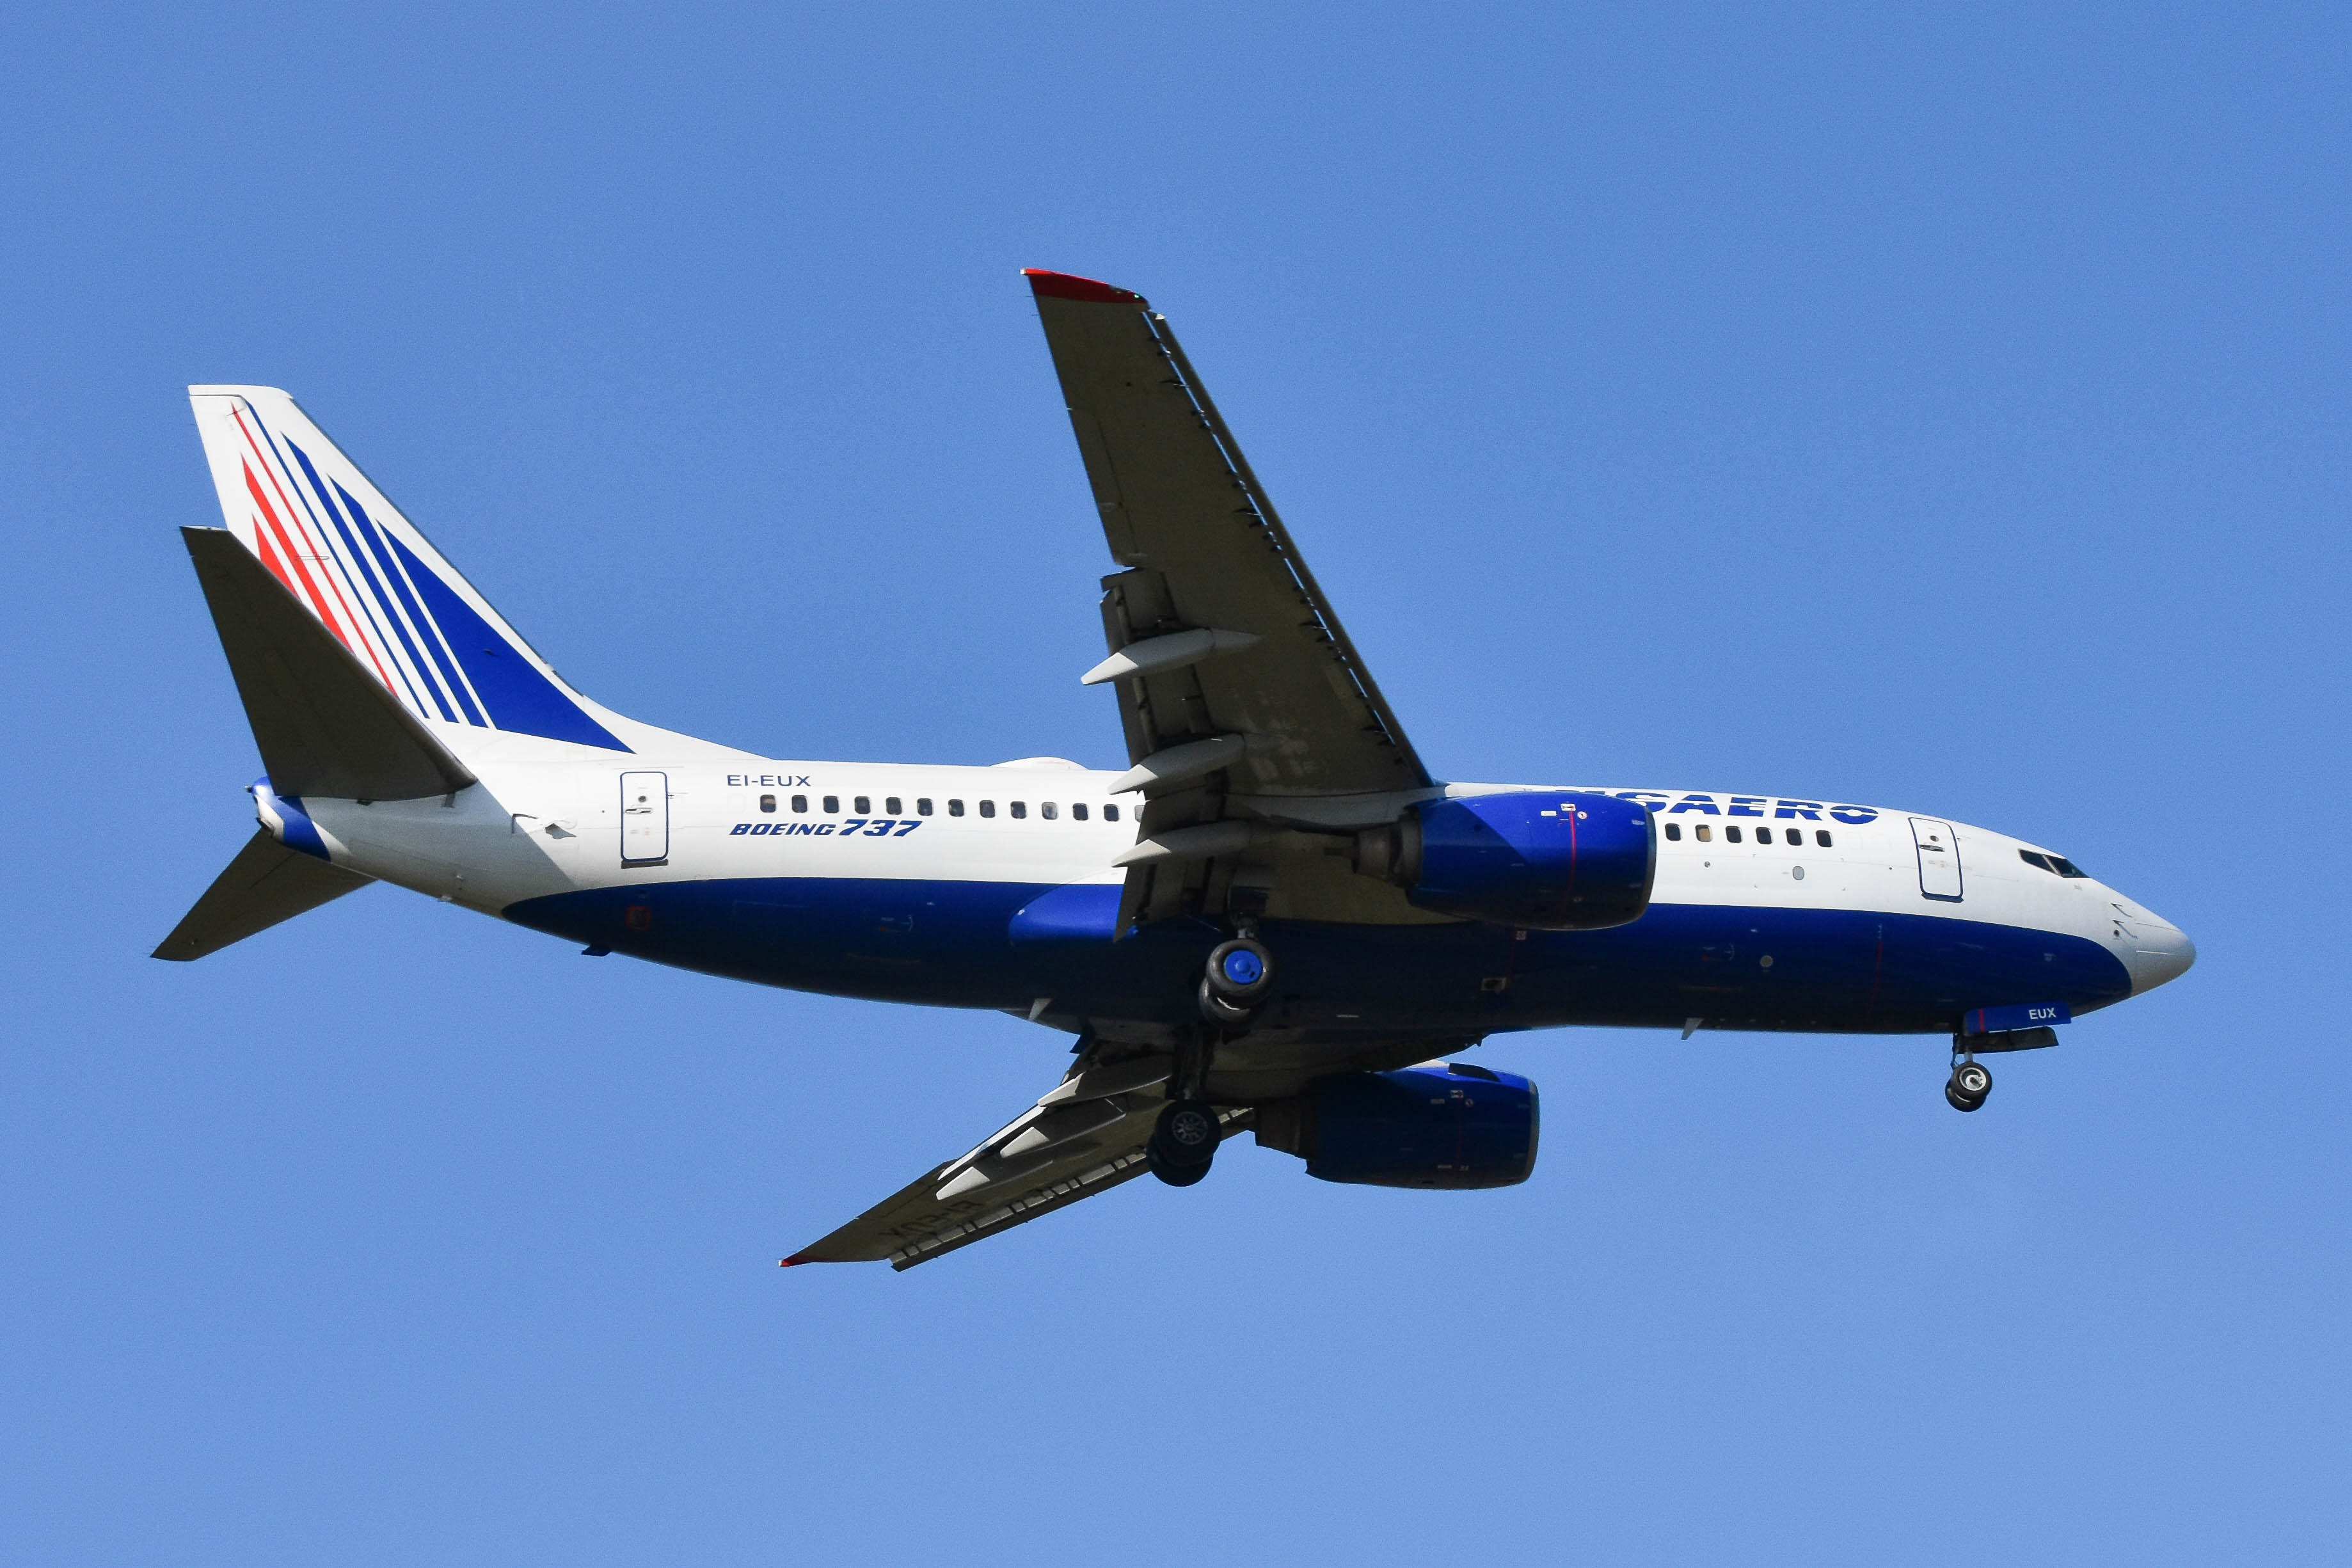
(1795, 836)
(892, 806)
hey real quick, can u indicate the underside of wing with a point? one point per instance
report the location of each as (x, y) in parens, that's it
(1248, 713)
(1085, 1137)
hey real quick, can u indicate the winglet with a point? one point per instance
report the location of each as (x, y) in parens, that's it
(1068, 286)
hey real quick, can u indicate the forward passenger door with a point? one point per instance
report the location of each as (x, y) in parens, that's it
(1939, 858)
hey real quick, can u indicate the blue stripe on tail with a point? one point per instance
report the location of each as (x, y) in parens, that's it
(520, 698)
(378, 538)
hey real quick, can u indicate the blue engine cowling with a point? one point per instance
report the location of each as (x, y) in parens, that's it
(1435, 1126)
(1553, 860)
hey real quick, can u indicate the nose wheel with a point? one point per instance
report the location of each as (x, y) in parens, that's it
(1969, 1085)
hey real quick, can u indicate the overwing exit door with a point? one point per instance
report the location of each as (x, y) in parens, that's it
(645, 818)
(1939, 858)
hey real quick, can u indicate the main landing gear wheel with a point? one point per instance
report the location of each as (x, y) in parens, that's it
(1221, 1012)
(1240, 972)
(1183, 1142)
(1970, 1083)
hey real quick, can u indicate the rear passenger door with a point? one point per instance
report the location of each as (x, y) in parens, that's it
(1940, 858)
(645, 818)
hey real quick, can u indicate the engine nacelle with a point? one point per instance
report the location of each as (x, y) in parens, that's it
(1442, 1125)
(1553, 860)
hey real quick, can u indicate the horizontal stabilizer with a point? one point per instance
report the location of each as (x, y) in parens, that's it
(325, 724)
(266, 883)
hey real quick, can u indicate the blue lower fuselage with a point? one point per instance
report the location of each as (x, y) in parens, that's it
(1010, 945)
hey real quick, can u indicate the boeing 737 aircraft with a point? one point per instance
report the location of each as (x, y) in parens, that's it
(1276, 919)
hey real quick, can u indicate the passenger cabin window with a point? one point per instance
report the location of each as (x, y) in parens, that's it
(767, 802)
(1110, 813)
(1049, 811)
(892, 807)
(1821, 837)
(863, 806)
(832, 805)
(800, 802)
(1020, 809)
(923, 806)
(1704, 833)
(988, 808)
(1763, 835)
(955, 807)
(1731, 834)
(1674, 832)
(1078, 811)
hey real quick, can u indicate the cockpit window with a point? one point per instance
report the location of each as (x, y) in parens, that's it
(2058, 863)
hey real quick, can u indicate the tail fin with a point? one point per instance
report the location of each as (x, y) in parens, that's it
(266, 883)
(363, 572)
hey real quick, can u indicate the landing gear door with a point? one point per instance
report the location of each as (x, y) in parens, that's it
(1939, 858)
(645, 818)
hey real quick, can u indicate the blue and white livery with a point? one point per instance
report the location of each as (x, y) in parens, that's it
(1276, 919)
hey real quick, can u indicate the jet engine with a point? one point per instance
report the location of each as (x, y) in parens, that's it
(1552, 861)
(1437, 1126)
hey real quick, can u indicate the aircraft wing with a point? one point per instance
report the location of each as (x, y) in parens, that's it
(1246, 708)
(1084, 1136)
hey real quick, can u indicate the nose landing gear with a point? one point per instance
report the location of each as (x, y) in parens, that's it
(1969, 1085)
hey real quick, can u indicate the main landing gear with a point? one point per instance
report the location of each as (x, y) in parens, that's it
(1183, 1142)
(1969, 1085)
(1240, 973)
(1237, 976)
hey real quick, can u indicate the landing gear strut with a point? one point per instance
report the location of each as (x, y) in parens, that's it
(1237, 976)
(1970, 1083)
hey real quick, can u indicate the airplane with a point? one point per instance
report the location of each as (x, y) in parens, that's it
(1275, 920)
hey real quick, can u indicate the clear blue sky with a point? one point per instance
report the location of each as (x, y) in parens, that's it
(1941, 408)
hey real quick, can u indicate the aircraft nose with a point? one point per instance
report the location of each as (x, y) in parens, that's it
(2160, 952)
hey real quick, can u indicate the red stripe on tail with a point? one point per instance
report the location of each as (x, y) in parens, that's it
(317, 600)
(269, 558)
(325, 552)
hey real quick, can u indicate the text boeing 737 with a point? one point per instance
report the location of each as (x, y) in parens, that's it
(1275, 919)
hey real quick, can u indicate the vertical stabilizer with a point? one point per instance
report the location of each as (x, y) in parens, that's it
(364, 573)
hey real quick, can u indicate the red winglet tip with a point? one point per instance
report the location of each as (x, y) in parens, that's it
(1068, 286)
(788, 1262)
